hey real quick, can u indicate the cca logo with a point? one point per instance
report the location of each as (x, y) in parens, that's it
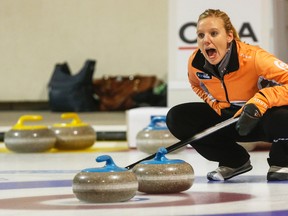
(245, 31)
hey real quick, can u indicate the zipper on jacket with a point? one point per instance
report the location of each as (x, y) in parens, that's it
(211, 71)
(225, 89)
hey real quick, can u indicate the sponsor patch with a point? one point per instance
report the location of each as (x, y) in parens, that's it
(202, 75)
(281, 65)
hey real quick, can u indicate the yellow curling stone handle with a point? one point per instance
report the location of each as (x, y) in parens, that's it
(76, 121)
(20, 123)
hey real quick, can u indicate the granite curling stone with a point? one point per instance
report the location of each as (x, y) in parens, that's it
(74, 135)
(163, 176)
(23, 138)
(155, 135)
(105, 185)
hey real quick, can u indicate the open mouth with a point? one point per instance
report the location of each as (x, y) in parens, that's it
(211, 52)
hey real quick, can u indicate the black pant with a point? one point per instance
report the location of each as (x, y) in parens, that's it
(186, 120)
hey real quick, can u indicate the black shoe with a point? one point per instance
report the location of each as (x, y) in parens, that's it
(276, 173)
(223, 173)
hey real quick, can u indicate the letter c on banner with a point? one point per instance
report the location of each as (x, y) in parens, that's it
(182, 32)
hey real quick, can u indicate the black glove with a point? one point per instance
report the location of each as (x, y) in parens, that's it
(248, 119)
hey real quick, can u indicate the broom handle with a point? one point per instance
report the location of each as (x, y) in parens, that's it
(183, 143)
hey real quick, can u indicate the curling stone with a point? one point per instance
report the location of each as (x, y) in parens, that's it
(74, 135)
(29, 138)
(163, 176)
(154, 136)
(106, 184)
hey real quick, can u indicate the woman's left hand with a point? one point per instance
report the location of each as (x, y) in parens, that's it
(248, 120)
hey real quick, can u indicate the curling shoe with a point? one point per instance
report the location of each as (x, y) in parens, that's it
(276, 173)
(223, 173)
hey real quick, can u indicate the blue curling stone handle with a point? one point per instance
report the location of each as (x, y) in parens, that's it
(157, 123)
(110, 166)
(161, 159)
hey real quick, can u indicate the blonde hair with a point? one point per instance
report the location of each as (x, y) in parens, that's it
(222, 15)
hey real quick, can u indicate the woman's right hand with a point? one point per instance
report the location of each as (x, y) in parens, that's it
(219, 105)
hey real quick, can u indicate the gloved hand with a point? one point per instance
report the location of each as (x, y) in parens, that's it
(259, 100)
(248, 120)
(251, 114)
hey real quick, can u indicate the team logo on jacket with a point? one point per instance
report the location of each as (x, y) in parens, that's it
(202, 75)
(281, 65)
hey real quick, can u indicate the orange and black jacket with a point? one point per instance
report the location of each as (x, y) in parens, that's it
(250, 69)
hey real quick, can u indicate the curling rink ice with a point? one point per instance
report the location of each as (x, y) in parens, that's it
(41, 183)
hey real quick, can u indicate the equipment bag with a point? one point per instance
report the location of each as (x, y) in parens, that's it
(72, 93)
(116, 93)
